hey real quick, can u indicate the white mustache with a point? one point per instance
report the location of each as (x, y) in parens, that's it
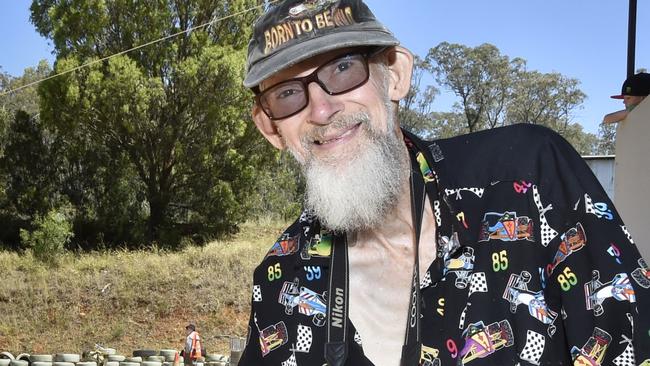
(319, 133)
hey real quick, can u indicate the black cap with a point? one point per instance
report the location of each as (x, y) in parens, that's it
(296, 30)
(191, 327)
(637, 85)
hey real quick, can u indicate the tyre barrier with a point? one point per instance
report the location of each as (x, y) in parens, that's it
(144, 353)
(128, 363)
(41, 363)
(156, 358)
(215, 358)
(67, 357)
(86, 363)
(150, 363)
(169, 354)
(62, 363)
(165, 357)
(41, 358)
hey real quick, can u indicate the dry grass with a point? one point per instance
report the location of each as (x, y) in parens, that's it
(131, 300)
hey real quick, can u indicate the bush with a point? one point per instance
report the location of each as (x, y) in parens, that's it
(49, 237)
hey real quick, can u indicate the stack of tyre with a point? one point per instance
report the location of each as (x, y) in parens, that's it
(217, 360)
(142, 357)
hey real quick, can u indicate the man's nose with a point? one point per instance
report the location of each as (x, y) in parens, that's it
(322, 105)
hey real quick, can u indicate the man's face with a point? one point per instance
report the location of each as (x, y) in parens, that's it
(631, 100)
(349, 147)
(329, 128)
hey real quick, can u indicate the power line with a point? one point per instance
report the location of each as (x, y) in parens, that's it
(2, 94)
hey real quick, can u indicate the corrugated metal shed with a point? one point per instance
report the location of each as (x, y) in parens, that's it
(603, 168)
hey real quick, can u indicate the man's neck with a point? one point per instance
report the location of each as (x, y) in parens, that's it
(381, 268)
(396, 228)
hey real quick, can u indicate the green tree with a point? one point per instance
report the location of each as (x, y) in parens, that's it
(25, 99)
(173, 115)
(494, 90)
(415, 109)
(26, 163)
(545, 99)
(28, 172)
(481, 77)
(50, 235)
(606, 139)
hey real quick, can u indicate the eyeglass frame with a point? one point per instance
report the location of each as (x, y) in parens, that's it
(312, 77)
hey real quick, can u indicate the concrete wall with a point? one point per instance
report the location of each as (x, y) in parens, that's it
(632, 169)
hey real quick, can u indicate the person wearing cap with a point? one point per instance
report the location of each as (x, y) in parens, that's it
(634, 90)
(193, 349)
(494, 248)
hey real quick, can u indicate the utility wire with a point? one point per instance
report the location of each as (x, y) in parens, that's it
(2, 94)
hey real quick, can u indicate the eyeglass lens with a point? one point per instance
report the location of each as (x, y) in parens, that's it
(335, 77)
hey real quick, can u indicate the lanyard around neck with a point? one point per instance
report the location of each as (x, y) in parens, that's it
(336, 348)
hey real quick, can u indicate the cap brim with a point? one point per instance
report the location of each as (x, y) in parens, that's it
(617, 96)
(314, 46)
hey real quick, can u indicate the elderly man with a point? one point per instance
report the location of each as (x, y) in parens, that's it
(497, 248)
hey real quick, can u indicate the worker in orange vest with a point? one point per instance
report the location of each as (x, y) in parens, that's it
(193, 348)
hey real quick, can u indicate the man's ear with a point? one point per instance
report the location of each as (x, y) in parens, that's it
(400, 64)
(268, 129)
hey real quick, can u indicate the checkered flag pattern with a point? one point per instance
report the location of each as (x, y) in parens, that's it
(589, 205)
(627, 357)
(479, 283)
(303, 344)
(548, 233)
(436, 212)
(357, 338)
(257, 293)
(291, 361)
(426, 281)
(477, 191)
(461, 323)
(534, 347)
(627, 234)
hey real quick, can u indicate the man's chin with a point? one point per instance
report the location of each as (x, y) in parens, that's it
(348, 222)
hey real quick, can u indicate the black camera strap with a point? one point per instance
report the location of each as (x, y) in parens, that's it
(336, 348)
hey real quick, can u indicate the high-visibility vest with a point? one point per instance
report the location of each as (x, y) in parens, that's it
(195, 351)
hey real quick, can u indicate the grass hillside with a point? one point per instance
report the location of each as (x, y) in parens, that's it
(131, 300)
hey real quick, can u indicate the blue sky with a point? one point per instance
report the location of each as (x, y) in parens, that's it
(582, 39)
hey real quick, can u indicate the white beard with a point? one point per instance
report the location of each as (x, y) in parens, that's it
(348, 194)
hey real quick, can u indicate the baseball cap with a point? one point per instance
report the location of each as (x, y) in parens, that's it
(636, 85)
(190, 326)
(296, 30)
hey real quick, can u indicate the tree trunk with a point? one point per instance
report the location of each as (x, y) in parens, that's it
(158, 205)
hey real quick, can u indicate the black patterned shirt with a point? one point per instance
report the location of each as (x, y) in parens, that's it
(533, 266)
